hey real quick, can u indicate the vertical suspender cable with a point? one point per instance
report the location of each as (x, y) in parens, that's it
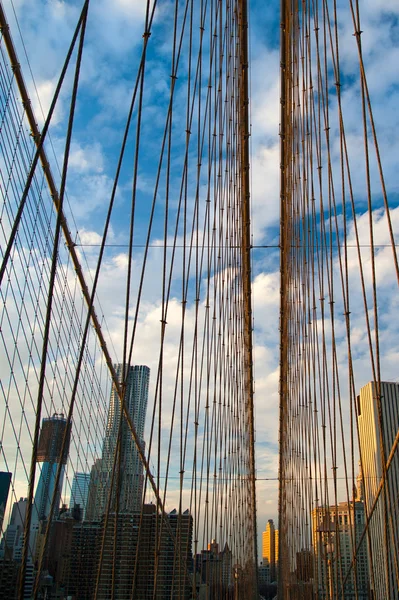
(246, 261)
(283, 258)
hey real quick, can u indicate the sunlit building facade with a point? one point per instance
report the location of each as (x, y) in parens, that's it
(270, 549)
(378, 428)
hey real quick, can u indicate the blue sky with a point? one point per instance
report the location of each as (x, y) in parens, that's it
(109, 68)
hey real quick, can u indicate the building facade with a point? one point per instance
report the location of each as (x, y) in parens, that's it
(336, 533)
(144, 560)
(96, 492)
(13, 536)
(270, 549)
(84, 560)
(128, 477)
(377, 432)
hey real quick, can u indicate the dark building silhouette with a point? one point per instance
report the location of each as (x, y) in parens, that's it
(143, 556)
(215, 569)
(83, 566)
(5, 480)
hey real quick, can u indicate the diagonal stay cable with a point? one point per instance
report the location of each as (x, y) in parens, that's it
(39, 138)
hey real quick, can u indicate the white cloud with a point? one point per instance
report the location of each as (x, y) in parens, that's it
(88, 158)
(41, 102)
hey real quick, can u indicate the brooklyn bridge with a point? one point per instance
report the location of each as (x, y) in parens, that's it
(199, 333)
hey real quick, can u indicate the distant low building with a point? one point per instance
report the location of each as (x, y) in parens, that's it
(264, 574)
(215, 569)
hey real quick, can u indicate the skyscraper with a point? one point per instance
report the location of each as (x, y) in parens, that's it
(270, 548)
(80, 491)
(128, 477)
(49, 455)
(13, 536)
(96, 494)
(377, 432)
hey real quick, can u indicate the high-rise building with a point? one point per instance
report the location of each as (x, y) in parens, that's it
(96, 495)
(80, 492)
(270, 548)
(11, 554)
(49, 455)
(336, 532)
(378, 420)
(13, 536)
(96, 492)
(128, 478)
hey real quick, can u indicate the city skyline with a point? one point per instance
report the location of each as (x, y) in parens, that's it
(215, 197)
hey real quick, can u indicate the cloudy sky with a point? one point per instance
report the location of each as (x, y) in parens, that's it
(112, 51)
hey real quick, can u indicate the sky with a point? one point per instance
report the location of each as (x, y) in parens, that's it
(113, 47)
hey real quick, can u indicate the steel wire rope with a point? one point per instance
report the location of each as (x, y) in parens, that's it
(174, 244)
(125, 366)
(46, 331)
(335, 373)
(41, 141)
(387, 514)
(34, 83)
(55, 197)
(140, 288)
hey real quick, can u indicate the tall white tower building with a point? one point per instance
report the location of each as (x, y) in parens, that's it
(128, 478)
(377, 432)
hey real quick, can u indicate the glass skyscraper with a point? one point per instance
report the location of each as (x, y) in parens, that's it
(80, 491)
(128, 478)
